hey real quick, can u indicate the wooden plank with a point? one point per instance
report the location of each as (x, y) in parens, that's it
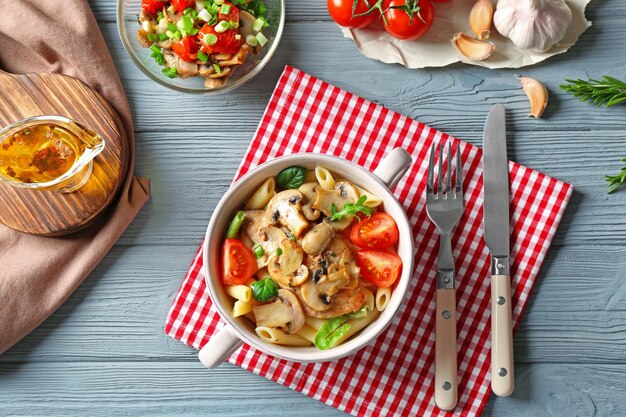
(185, 389)
(119, 312)
(204, 163)
(316, 11)
(455, 98)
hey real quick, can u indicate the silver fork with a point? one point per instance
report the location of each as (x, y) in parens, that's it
(444, 207)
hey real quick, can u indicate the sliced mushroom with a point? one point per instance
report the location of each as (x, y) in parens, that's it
(142, 37)
(214, 82)
(344, 302)
(284, 208)
(319, 295)
(206, 70)
(236, 59)
(246, 23)
(285, 313)
(167, 44)
(337, 255)
(300, 276)
(282, 266)
(225, 72)
(309, 194)
(343, 193)
(255, 224)
(316, 239)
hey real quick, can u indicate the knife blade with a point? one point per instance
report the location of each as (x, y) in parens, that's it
(496, 226)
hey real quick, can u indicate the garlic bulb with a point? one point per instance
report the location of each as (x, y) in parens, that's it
(535, 25)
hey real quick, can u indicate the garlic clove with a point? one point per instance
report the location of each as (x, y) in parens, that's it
(472, 48)
(480, 18)
(537, 94)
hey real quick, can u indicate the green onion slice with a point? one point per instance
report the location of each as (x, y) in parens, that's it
(210, 39)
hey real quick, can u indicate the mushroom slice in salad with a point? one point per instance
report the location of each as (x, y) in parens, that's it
(285, 313)
(343, 193)
(285, 261)
(309, 194)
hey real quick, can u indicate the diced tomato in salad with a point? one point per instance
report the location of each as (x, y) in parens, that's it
(186, 48)
(231, 16)
(227, 42)
(181, 5)
(152, 6)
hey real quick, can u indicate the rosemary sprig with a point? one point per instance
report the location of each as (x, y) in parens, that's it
(608, 91)
(617, 180)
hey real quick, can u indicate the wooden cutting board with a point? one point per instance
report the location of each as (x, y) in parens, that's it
(51, 213)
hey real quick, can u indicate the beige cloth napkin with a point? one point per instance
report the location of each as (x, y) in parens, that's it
(37, 274)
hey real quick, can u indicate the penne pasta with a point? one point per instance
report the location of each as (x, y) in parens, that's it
(263, 195)
(241, 308)
(372, 200)
(383, 295)
(240, 292)
(325, 178)
(278, 337)
(357, 325)
(308, 333)
(369, 299)
(314, 322)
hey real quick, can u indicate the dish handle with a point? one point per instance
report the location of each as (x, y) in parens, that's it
(220, 346)
(393, 167)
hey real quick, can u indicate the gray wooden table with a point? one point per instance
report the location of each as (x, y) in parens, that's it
(104, 353)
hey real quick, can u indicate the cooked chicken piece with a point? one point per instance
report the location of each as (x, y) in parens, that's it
(343, 302)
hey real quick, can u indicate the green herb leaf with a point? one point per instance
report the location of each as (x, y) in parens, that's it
(170, 72)
(331, 331)
(290, 178)
(258, 251)
(264, 290)
(235, 225)
(607, 91)
(158, 56)
(350, 209)
(279, 251)
(617, 180)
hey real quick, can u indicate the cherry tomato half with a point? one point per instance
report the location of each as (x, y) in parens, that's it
(341, 12)
(226, 42)
(186, 49)
(379, 268)
(181, 5)
(152, 6)
(408, 19)
(238, 262)
(232, 15)
(377, 232)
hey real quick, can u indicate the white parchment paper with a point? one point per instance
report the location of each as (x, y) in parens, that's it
(435, 49)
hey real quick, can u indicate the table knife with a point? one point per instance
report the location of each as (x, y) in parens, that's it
(496, 225)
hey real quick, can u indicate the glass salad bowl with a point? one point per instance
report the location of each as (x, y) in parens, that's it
(128, 25)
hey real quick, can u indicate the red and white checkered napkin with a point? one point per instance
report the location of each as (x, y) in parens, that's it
(394, 375)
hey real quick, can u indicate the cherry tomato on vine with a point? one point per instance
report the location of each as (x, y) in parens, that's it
(408, 19)
(342, 12)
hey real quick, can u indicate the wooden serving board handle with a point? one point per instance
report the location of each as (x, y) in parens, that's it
(51, 213)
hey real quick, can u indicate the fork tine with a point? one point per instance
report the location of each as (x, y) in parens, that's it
(459, 170)
(449, 171)
(431, 170)
(440, 172)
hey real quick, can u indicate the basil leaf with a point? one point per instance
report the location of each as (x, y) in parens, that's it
(290, 178)
(331, 331)
(264, 290)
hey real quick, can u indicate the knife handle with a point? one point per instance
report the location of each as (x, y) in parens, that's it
(502, 377)
(445, 350)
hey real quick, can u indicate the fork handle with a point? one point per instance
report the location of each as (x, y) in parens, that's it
(502, 377)
(445, 350)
